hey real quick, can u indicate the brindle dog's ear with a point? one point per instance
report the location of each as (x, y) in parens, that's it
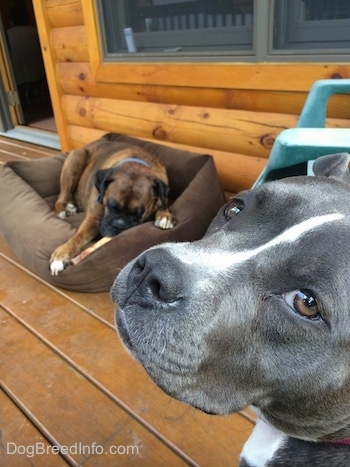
(102, 179)
(161, 190)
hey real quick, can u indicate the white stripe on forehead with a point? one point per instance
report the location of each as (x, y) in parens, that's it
(220, 260)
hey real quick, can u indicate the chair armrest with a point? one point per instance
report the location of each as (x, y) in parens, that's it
(314, 111)
(301, 145)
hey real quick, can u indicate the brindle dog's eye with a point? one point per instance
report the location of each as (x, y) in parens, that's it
(303, 302)
(113, 205)
(233, 209)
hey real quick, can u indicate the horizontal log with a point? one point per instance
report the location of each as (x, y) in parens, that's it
(238, 131)
(63, 13)
(258, 76)
(69, 44)
(236, 171)
(80, 135)
(77, 79)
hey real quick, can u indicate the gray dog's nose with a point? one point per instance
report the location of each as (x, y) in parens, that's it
(156, 276)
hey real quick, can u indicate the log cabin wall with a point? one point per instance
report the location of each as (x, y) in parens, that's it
(233, 111)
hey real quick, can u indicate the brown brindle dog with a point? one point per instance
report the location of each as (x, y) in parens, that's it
(118, 186)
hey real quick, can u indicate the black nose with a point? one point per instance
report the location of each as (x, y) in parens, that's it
(112, 226)
(157, 276)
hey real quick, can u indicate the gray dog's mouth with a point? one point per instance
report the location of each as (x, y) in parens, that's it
(122, 328)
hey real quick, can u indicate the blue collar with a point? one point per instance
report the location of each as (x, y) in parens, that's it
(132, 159)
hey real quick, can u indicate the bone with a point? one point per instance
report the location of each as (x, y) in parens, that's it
(89, 250)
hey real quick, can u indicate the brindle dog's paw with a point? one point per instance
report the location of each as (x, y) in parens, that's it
(59, 260)
(164, 220)
(67, 211)
(57, 266)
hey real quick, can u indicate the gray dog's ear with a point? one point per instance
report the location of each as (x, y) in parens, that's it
(334, 165)
(102, 179)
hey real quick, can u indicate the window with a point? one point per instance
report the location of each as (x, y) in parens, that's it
(195, 30)
(312, 24)
(177, 27)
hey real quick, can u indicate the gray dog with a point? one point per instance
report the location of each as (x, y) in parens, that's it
(256, 314)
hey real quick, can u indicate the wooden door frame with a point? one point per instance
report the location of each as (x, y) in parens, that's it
(10, 112)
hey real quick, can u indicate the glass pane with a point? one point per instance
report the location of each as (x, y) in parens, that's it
(176, 26)
(312, 24)
(326, 9)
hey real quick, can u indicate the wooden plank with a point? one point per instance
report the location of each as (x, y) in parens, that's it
(93, 38)
(21, 443)
(11, 149)
(25, 148)
(81, 135)
(44, 30)
(59, 395)
(258, 76)
(138, 448)
(77, 79)
(62, 13)
(69, 44)
(98, 303)
(6, 156)
(7, 83)
(236, 171)
(98, 355)
(235, 131)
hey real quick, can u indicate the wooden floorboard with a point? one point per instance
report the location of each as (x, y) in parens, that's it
(12, 150)
(66, 380)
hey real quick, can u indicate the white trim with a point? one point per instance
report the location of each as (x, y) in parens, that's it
(263, 444)
(32, 135)
(220, 260)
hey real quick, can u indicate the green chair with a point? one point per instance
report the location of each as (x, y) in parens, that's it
(295, 149)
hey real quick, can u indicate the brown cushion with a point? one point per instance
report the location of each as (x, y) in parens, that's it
(28, 190)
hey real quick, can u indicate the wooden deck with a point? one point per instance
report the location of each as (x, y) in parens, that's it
(66, 381)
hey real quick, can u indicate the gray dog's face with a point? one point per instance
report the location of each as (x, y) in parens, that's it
(255, 313)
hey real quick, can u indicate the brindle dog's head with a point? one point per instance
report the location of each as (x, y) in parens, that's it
(129, 198)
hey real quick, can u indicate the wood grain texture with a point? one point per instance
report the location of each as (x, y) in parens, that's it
(66, 379)
(238, 131)
(233, 110)
(259, 76)
(69, 44)
(79, 372)
(44, 29)
(77, 79)
(63, 13)
(17, 430)
(63, 394)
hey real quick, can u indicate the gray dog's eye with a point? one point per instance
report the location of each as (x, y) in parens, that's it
(303, 302)
(233, 209)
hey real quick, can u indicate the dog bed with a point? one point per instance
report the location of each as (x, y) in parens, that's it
(28, 190)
